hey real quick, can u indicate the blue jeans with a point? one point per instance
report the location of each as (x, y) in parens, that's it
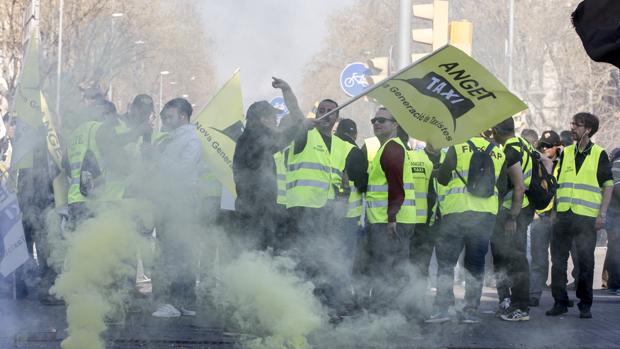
(540, 236)
(471, 230)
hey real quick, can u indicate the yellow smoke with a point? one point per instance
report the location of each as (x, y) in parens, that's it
(270, 300)
(101, 256)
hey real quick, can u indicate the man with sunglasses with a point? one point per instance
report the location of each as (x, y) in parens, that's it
(585, 185)
(540, 229)
(390, 211)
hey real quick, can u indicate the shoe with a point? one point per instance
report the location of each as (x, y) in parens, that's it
(469, 318)
(584, 311)
(557, 310)
(534, 302)
(572, 286)
(187, 312)
(585, 314)
(571, 303)
(438, 318)
(516, 315)
(504, 305)
(613, 290)
(166, 311)
(617, 292)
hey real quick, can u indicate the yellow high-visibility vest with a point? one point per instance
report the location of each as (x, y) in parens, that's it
(422, 168)
(355, 206)
(579, 192)
(526, 167)
(372, 147)
(457, 198)
(377, 193)
(314, 175)
(82, 140)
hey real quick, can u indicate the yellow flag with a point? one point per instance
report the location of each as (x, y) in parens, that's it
(60, 183)
(53, 142)
(219, 125)
(446, 98)
(27, 109)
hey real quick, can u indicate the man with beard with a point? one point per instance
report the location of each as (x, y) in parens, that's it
(585, 185)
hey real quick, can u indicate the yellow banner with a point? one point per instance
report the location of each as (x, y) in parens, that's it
(27, 109)
(219, 125)
(53, 142)
(60, 183)
(447, 98)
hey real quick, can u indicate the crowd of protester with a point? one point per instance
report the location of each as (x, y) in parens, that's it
(302, 182)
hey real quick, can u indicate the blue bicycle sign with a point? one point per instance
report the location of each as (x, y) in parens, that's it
(278, 103)
(353, 78)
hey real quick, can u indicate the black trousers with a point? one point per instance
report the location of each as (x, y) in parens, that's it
(387, 263)
(510, 265)
(421, 248)
(470, 230)
(571, 227)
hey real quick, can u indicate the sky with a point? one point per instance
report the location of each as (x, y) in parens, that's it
(266, 38)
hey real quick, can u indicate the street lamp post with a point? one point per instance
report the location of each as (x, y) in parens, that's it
(404, 34)
(161, 87)
(59, 67)
(511, 23)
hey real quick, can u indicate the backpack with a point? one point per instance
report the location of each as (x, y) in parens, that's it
(481, 176)
(542, 185)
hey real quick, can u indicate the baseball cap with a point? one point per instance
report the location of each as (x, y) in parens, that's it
(261, 108)
(550, 138)
(346, 125)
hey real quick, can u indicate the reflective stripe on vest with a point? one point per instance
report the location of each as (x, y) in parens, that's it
(579, 192)
(354, 205)
(526, 159)
(422, 168)
(377, 194)
(307, 185)
(457, 198)
(314, 174)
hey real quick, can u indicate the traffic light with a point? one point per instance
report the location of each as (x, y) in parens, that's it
(461, 35)
(379, 69)
(437, 35)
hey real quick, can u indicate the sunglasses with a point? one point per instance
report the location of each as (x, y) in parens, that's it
(380, 120)
(546, 145)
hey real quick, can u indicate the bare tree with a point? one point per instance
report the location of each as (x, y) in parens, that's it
(551, 70)
(123, 52)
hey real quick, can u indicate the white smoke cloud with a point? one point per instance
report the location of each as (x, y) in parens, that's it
(266, 38)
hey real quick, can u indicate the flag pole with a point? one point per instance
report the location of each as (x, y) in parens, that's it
(375, 86)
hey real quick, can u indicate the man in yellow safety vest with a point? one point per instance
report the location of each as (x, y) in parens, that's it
(585, 185)
(466, 218)
(390, 212)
